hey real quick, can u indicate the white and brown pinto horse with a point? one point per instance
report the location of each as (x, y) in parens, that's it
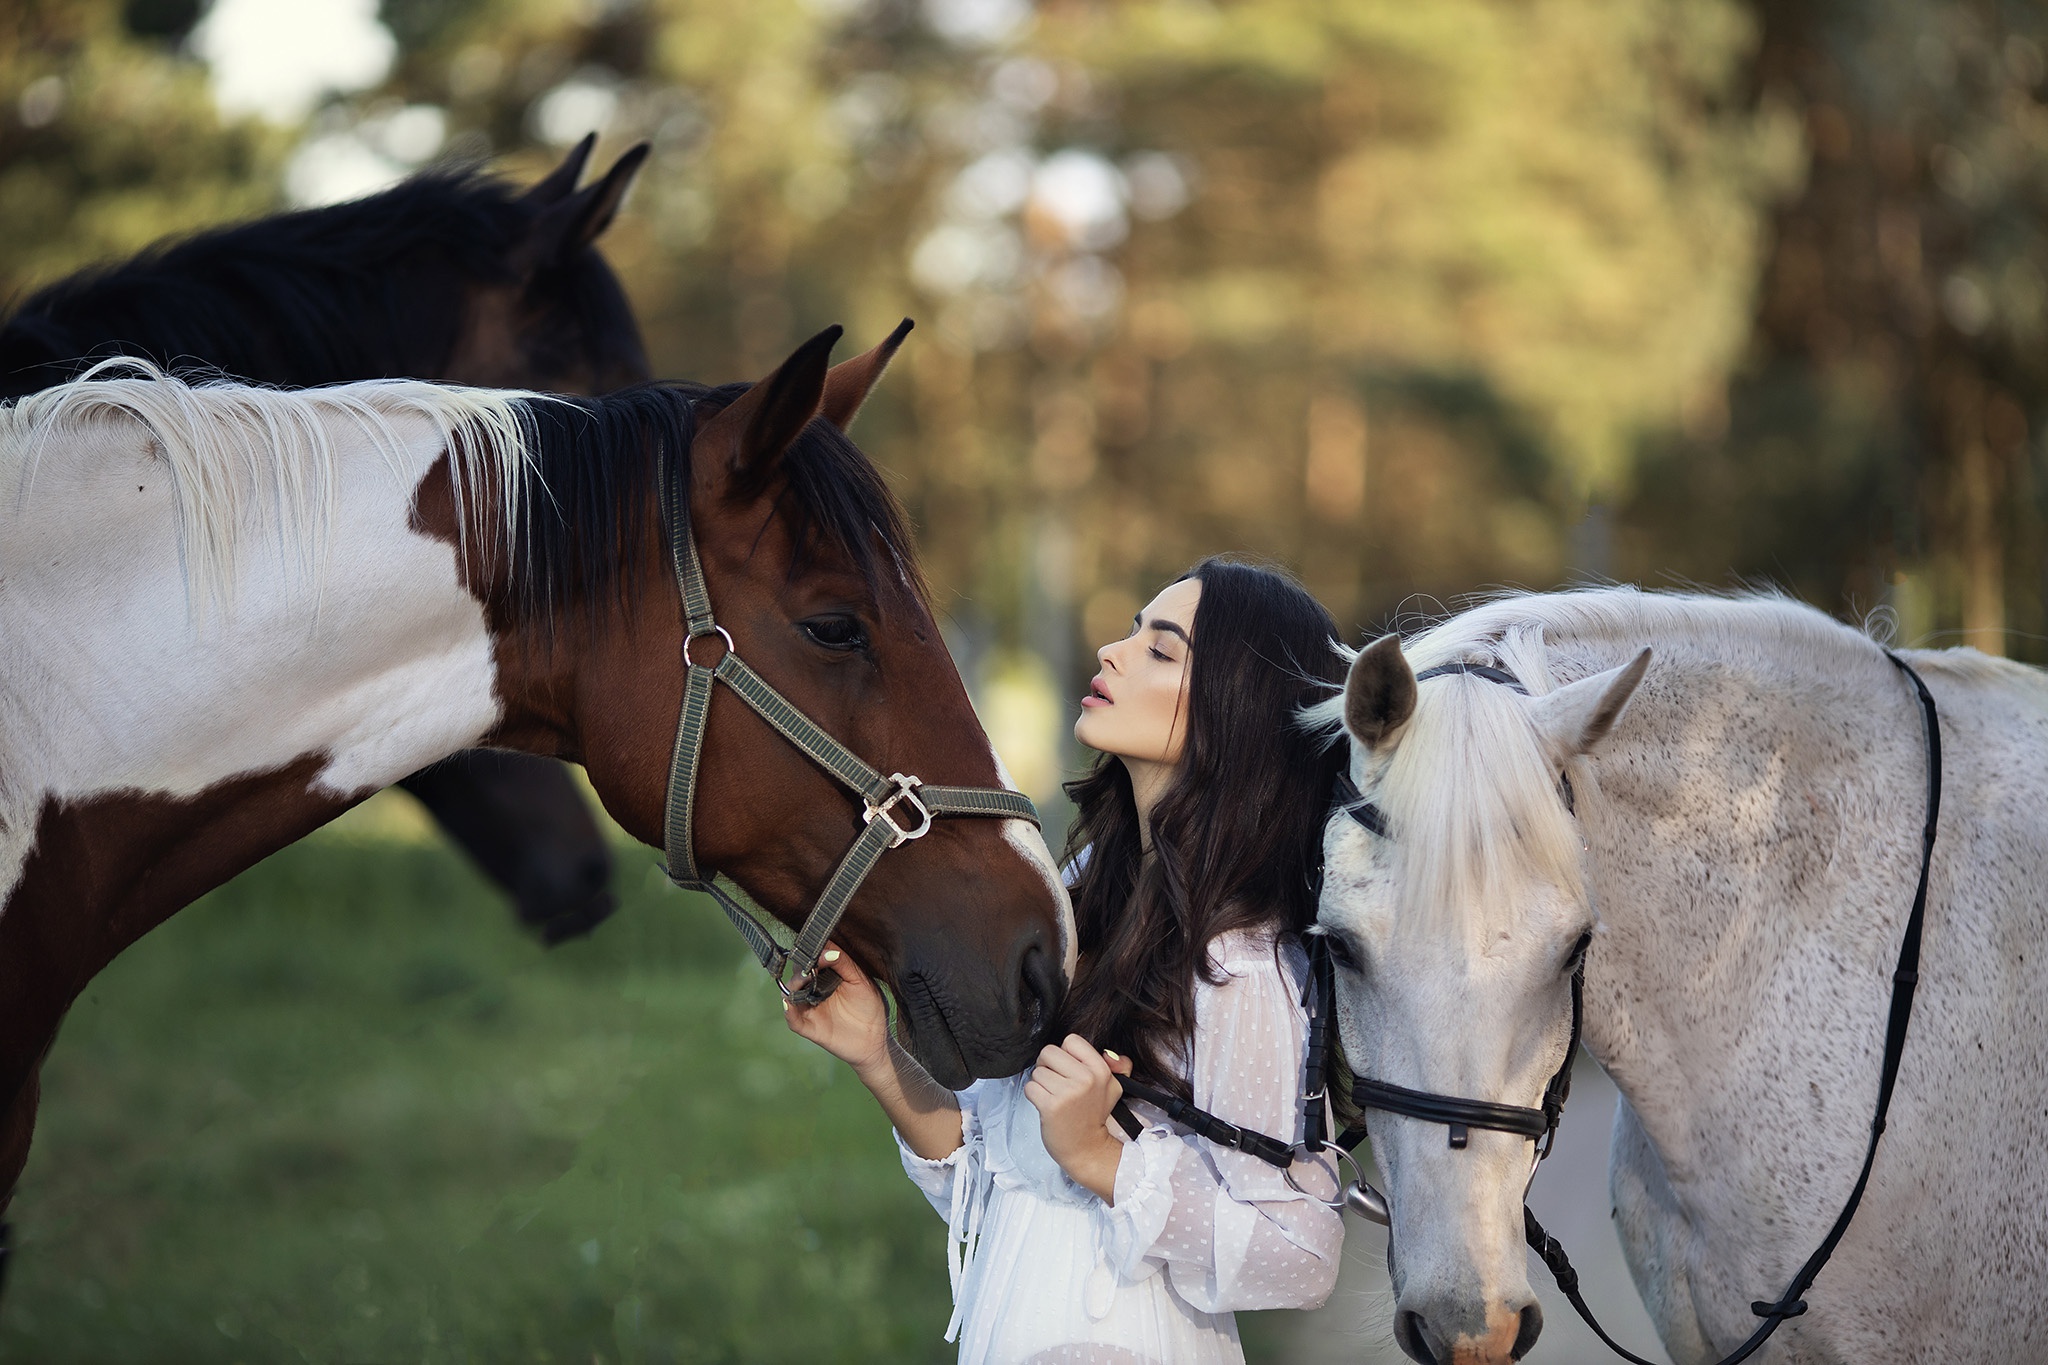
(229, 613)
(1743, 855)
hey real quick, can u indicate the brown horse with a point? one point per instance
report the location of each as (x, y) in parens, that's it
(449, 276)
(227, 614)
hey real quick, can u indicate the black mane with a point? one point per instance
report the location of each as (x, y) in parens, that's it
(598, 463)
(362, 290)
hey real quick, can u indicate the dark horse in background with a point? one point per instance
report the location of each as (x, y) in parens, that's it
(450, 276)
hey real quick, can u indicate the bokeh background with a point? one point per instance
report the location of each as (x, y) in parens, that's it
(1418, 299)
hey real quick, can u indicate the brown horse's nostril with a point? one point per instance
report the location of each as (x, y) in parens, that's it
(1532, 1328)
(1044, 990)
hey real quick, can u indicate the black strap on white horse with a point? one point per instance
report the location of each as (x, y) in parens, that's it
(1905, 978)
(896, 808)
(1317, 994)
(1542, 1123)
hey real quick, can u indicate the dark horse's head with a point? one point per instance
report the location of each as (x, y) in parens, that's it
(809, 567)
(451, 275)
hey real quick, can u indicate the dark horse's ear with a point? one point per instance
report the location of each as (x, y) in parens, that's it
(560, 182)
(1379, 694)
(747, 438)
(848, 382)
(573, 222)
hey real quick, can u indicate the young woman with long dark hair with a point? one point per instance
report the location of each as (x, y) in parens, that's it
(1190, 868)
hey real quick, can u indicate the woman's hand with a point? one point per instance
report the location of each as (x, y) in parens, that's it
(1074, 1087)
(852, 1023)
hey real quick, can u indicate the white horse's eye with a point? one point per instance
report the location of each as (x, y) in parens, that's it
(1577, 957)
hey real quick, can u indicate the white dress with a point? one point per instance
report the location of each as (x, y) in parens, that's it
(1043, 1271)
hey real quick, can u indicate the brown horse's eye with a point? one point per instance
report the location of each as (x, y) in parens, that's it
(835, 632)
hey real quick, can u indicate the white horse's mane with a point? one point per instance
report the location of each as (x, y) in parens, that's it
(246, 460)
(1472, 801)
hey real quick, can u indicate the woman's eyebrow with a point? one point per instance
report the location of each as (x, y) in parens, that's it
(1169, 627)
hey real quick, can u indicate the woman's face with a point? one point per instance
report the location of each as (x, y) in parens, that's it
(1137, 706)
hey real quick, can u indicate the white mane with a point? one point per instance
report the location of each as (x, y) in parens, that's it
(1473, 804)
(248, 461)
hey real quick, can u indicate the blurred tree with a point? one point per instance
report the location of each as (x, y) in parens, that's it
(108, 139)
(1392, 294)
(1884, 443)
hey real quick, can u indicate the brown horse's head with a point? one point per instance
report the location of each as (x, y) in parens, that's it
(809, 568)
(549, 314)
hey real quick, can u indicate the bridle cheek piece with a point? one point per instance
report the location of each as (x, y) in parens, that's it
(894, 809)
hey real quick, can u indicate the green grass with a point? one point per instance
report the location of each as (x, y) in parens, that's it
(344, 1110)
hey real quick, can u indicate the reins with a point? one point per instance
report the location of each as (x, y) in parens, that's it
(1905, 978)
(895, 808)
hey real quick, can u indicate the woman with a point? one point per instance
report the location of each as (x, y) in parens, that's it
(1190, 869)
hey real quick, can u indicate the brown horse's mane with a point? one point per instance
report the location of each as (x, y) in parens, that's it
(596, 464)
(569, 480)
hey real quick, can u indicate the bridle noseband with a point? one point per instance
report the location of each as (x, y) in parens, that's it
(1540, 1124)
(896, 808)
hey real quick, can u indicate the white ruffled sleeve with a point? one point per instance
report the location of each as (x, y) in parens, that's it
(957, 1185)
(1228, 1228)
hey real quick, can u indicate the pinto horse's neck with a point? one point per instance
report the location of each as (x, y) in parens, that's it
(160, 734)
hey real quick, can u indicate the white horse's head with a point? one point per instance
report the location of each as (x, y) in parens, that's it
(1458, 930)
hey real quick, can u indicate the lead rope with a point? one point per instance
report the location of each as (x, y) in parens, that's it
(1904, 980)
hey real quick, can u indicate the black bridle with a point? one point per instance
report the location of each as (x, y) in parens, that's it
(1539, 1123)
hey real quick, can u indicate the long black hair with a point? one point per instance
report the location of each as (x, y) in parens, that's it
(1236, 836)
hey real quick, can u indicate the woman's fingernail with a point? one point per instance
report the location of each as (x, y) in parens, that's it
(832, 955)
(1111, 1055)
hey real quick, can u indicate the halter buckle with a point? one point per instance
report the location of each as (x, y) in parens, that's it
(906, 790)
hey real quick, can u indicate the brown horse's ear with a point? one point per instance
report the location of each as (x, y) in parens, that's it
(570, 224)
(560, 182)
(1379, 694)
(749, 435)
(848, 382)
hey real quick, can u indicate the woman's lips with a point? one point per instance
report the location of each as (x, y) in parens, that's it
(1098, 695)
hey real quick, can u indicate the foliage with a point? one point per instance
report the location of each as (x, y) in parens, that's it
(108, 139)
(1884, 441)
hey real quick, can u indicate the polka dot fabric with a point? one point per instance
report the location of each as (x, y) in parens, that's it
(1045, 1273)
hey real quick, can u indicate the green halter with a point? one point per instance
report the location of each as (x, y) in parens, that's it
(896, 810)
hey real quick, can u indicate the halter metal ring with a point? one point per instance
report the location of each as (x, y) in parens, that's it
(720, 632)
(1331, 1159)
(906, 790)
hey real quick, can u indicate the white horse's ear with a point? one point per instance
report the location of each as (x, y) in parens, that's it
(1579, 715)
(1379, 692)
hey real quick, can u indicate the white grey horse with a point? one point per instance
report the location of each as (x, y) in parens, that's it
(1743, 854)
